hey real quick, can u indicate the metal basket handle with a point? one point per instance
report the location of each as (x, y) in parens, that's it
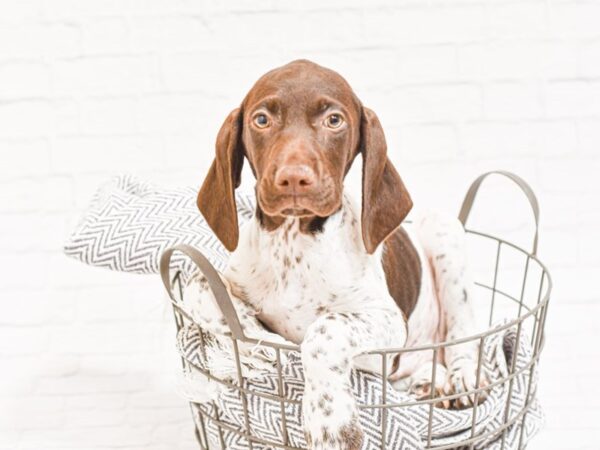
(214, 281)
(465, 209)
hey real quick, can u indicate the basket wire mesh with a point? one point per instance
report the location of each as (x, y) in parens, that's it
(517, 288)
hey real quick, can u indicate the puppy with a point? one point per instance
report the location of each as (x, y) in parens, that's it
(338, 279)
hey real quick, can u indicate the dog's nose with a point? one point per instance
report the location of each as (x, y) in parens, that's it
(295, 179)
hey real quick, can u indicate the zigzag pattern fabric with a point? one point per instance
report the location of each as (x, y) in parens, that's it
(130, 223)
(406, 427)
(128, 226)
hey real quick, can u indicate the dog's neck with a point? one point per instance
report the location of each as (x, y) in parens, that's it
(290, 277)
(277, 247)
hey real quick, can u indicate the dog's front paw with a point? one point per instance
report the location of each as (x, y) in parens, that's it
(421, 386)
(330, 418)
(462, 379)
(346, 437)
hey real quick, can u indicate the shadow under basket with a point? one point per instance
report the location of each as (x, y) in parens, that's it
(512, 293)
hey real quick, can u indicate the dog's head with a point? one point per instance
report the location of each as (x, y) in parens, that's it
(300, 127)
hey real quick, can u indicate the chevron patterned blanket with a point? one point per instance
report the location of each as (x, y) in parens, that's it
(128, 226)
(406, 427)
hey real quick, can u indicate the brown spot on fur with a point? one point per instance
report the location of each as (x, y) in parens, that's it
(351, 435)
(402, 269)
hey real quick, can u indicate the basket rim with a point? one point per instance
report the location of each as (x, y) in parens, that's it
(542, 302)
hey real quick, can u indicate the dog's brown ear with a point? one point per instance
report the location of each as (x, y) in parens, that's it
(216, 199)
(386, 202)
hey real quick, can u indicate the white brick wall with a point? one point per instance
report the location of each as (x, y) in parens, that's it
(92, 88)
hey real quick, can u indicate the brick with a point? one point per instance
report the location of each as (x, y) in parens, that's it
(227, 83)
(162, 415)
(426, 25)
(588, 244)
(92, 338)
(20, 381)
(106, 75)
(561, 175)
(574, 19)
(499, 142)
(116, 303)
(91, 438)
(425, 63)
(26, 119)
(67, 116)
(22, 340)
(285, 32)
(491, 139)
(36, 41)
(91, 384)
(552, 138)
(183, 150)
(25, 417)
(29, 306)
(175, 113)
(587, 215)
(435, 103)
(172, 34)
(512, 100)
(96, 401)
(517, 60)
(24, 158)
(102, 154)
(563, 251)
(145, 33)
(70, 9)
(590, 59)
(347, 31)
(85, 186)
(560, 210)
(425, 143)
(516, 20)
(53, 364)
(187, 71)
(560, 59)
(67, 273)
(46, 194)
(94, 418)
(23, 11)
(24, 79)
(163, 432)
(452, 175)
(589, 136)
(154, 400)
(573, 98)
(109, 116)
(19, 267)
(105, 35)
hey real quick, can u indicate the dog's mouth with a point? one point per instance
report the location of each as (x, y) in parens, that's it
(291, 206)
(298, 206)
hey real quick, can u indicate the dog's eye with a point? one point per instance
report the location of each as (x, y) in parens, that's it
(334, 121)
(261, 120)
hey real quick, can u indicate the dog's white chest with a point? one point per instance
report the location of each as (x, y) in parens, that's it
(291, 278)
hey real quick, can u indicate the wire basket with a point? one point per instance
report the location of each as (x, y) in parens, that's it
(511, 283)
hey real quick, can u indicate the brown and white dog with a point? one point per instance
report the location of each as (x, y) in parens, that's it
(323, 274)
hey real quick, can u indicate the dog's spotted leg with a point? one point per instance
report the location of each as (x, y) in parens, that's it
(444, 241)
(330, 349)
